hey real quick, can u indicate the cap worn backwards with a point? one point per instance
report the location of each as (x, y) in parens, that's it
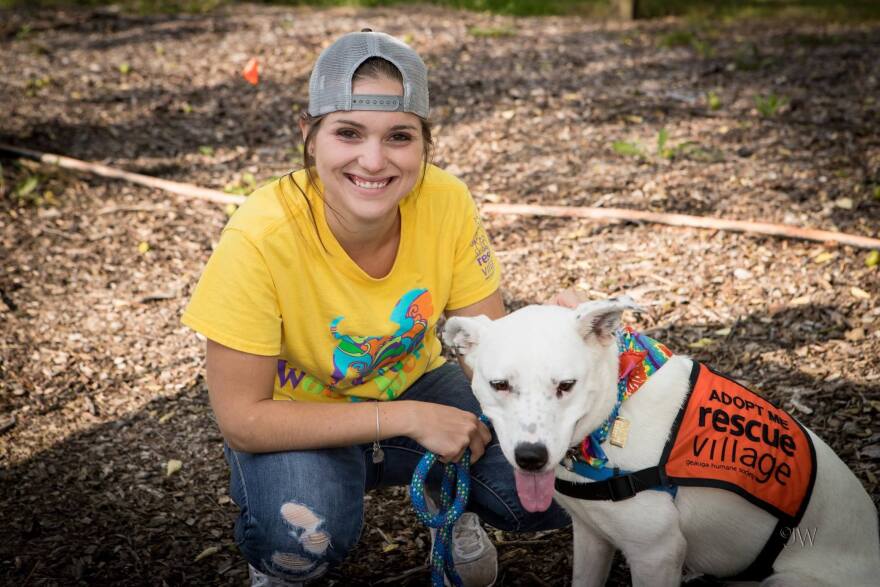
(330, 85)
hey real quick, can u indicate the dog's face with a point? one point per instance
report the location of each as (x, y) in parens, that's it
(546, 376)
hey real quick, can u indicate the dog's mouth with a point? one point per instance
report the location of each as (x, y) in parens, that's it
(535, 490)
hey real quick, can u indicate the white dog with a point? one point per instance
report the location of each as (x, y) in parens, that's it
(549, 377)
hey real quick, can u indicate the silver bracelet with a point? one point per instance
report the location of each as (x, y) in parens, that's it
(378, 453)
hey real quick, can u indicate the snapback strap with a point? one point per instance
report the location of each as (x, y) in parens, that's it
(386, 102)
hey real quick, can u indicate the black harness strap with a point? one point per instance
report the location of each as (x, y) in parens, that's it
(615, 488)
(762, 567)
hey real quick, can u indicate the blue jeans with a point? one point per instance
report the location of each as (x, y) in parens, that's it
(302, 511)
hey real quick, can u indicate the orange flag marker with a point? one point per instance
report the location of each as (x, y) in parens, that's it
(251, 71)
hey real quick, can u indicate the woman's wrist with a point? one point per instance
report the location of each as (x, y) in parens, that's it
(400, 418)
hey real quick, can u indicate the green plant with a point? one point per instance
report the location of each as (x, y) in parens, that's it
(677, 39)
(686, 38)
(246, 184)
(664, 150)
(27, 191)
(23, 33)
(35, 84)
(749, 58)
(27, 186)
(492, 32)
(627, 149)
(770, 104)
(713, 100)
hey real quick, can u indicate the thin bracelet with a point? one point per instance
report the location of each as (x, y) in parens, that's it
(378, 453)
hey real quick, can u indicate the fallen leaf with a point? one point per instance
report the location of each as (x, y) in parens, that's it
(801, 301)
(872, 452)
(859, 293)
(855, 335)
(143, 247)
(824, 257)
(702, 343)
(172, 466)
(722, 331)
(230, 209)
(796, 404)
(873, 259)
(7, 423)
(844, 203)
(390, 547)
(206, 553)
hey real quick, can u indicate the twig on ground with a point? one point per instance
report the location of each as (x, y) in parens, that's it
(766, 228)
(607, 214)
(114, 209)
(403, 575)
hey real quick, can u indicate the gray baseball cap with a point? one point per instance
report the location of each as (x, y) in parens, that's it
(330, 84)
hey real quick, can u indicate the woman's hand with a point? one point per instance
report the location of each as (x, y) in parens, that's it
(568, 298)
(448, 432)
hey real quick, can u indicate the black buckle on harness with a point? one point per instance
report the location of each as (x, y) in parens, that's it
(622, 487)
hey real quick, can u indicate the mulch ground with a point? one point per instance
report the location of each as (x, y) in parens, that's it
(100, 385)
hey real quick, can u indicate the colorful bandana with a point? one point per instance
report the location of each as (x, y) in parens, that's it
(639, 358)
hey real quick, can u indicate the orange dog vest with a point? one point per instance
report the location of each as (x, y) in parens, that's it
(727, 436)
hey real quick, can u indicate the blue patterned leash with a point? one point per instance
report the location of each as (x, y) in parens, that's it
(457, 476)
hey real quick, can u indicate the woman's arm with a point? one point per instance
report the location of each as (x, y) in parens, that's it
(491, 306)
(240, 388)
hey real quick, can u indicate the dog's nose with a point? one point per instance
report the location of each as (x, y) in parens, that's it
(530, 456)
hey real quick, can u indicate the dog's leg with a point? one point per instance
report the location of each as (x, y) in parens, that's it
(659, 562)
(592, 556)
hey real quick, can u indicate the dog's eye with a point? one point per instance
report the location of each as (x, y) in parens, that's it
(564, 386)
(500, 384)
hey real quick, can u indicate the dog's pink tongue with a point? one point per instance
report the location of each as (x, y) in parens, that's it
(535, 490)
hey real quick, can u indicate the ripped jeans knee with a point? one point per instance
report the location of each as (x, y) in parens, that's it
(299, 545)
(291, 526)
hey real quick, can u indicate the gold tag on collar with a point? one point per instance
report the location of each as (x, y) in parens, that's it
(619, 432)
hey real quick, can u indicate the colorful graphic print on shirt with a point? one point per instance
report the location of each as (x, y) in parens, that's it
(356, 357)
(380, 360)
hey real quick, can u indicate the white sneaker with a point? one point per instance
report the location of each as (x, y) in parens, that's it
(259, 579)
(474, 555)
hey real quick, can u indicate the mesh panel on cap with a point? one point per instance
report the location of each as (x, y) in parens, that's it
(330, 83)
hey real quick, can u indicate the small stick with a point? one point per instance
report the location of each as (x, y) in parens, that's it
(764, 228)
(181, 189)
(403, 575)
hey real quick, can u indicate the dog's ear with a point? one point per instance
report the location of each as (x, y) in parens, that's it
(463, 333)
(600, 320)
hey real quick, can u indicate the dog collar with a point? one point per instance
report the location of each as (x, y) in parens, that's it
(639, 358)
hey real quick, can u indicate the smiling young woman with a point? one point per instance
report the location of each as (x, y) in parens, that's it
(320, 305)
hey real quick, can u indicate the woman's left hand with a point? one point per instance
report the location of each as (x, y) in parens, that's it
(568, 298)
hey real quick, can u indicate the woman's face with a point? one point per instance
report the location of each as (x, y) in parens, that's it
(368, 160)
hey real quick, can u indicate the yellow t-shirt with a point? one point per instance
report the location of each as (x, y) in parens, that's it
(279, 284)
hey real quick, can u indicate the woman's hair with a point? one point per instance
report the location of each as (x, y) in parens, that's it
(373, 68)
